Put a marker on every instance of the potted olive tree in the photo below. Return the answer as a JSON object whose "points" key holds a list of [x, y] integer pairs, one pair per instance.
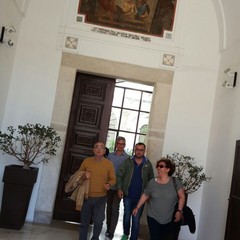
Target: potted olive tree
{"points": [[192, 177], [188, 172], [31, 144]]}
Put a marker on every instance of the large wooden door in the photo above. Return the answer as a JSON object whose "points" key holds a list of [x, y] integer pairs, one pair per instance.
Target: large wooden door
{"points": [[88, 123], [233, 218]]}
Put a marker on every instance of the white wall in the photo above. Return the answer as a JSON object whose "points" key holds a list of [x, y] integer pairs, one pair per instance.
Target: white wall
{"points": [[225, 130], [9, 16], [231, 15], [193, 92], [34, 73]]}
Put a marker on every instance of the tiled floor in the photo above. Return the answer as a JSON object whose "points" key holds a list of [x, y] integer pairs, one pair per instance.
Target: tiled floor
{"points": [[57, 230], [61, 231]]}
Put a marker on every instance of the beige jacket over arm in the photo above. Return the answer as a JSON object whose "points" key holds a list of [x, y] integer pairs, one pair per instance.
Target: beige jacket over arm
{"points": [[80, 187]]}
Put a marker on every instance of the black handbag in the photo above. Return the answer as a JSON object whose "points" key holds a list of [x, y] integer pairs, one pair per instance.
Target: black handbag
{"points": [[188, 217]]}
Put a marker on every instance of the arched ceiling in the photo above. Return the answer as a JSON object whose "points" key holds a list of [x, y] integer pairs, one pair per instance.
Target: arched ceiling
{"points": [[228, 17]]}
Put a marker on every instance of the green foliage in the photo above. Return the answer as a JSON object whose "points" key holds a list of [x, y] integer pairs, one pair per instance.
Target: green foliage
{"points": [[111, 146], [188, 172], [30, 143], [129, 151]]}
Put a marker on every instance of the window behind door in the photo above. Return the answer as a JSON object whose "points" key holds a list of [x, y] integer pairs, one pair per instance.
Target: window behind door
{"points": [[130, 114]]}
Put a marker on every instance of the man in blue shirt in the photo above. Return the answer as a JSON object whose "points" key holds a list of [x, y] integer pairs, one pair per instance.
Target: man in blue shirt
{"points": [[113, 201], [132, 177]]}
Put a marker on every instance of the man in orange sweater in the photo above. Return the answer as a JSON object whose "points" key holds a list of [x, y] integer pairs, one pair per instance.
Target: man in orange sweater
{"points": [[101, 175]]}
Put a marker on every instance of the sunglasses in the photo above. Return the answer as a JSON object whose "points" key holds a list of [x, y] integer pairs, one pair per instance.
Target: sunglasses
{"points": [[161, 166]]}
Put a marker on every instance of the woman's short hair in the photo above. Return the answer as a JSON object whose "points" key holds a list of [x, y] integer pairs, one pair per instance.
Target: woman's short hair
{"points": [[169, 164]]}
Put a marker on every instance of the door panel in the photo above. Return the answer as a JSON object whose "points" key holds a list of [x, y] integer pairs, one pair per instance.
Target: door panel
{"points": [[88, 123], [233, 218]]}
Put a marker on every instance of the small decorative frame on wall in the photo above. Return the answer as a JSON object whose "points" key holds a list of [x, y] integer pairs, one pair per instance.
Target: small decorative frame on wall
{"points": [[71, 42], [168, 60]]}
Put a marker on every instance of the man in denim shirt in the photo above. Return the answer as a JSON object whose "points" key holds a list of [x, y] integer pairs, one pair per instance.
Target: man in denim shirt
{"points": [[113, 201]]}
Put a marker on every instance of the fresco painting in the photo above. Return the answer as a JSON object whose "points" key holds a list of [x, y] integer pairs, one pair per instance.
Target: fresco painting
{"points": [[141, 16]]}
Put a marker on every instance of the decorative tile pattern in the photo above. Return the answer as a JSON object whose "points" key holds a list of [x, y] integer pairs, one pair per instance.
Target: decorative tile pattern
{"points": [[80, 19], [168, 60], [71, 42], [168, 35]]}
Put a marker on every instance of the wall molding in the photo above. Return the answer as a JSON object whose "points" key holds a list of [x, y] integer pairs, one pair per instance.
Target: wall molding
{"points": [[22, 6]]}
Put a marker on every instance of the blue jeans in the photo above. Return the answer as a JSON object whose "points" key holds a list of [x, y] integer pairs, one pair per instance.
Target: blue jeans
{"points": [[129, 204], [93, 206]]}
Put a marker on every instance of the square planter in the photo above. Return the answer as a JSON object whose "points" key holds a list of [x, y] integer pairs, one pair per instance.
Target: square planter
{"points": [[18, 185]]}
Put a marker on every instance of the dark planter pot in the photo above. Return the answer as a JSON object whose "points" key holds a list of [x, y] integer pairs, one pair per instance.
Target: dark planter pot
{"points": [[18, 185]]}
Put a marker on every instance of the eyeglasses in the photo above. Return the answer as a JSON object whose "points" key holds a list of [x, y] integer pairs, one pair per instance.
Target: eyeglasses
{"points": [[141, 150], [161, 166]]}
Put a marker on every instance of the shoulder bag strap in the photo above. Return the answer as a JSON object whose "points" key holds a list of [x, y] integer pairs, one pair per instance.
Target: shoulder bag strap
{"points": [[175, 184]]}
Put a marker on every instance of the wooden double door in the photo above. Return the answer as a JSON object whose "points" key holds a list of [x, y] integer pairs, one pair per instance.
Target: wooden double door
{"points": [[233, 218], [88, 122]]}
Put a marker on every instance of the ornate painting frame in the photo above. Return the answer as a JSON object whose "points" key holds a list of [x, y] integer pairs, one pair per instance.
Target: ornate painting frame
{"points": [[150, 17]]}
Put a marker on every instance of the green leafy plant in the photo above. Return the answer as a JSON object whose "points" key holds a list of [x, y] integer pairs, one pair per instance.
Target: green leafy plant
{"points": [[188, 172], [30, 143]]}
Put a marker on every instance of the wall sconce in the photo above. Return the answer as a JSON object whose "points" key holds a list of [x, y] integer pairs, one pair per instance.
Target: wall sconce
{"points": [[231, 78], [4, 31]]}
